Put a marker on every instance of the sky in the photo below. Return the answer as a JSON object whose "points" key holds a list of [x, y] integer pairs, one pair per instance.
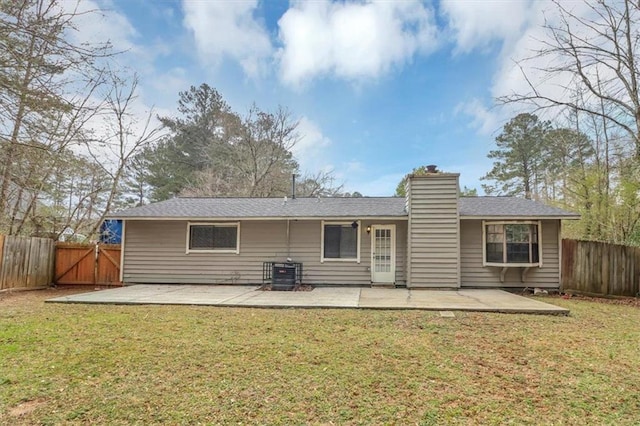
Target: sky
{"points": [[378, 87]]}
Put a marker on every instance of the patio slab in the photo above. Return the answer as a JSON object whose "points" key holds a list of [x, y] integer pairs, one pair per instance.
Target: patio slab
{"points": [[320, 297]]}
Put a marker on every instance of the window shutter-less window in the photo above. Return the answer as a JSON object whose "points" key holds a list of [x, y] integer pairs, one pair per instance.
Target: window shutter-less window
{"points": [[201, 237], [340, 242], [213, 237], [332, 234], [224, 237]]}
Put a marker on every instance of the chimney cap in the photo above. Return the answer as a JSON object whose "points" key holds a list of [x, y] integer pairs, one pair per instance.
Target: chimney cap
{"points": [[432, 168]]}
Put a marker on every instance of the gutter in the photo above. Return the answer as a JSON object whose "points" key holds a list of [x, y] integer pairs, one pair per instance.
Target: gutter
{"points": [[238, 218]]}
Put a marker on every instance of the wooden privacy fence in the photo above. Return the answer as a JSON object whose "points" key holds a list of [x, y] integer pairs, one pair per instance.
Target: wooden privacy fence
{"points": [[25, 263], [87, 264], [594, 268]]}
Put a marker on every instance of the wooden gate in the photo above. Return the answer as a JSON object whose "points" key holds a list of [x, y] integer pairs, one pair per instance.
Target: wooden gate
{"points": [[87, 264]]}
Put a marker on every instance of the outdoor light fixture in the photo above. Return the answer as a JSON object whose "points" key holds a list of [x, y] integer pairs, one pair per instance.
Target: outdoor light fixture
{"points": [[368, 229]]}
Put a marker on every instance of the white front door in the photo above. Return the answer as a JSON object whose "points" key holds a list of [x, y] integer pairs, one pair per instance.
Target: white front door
{"points": [[383, 253]]}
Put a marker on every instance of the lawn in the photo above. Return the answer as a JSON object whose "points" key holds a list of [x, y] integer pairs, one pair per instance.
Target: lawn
{"points": [[79, 364]]}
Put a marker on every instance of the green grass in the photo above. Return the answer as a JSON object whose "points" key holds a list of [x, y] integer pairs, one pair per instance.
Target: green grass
{"points": [[79, 364]]}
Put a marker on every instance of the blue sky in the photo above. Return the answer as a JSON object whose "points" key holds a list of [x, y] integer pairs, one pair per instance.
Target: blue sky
{"points": [[379, 87]]}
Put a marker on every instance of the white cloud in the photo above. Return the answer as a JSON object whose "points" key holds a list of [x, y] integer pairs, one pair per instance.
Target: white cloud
{"points": [[518, 66], [485, 120], [354, 167], [475, 24], [228, 29], [352, 40], [311, 151], [97, 22], [522, 58], [171, 82]]}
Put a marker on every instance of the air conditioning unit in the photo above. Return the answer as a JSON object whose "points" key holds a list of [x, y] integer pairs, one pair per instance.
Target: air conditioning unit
{"points": [[283, 277]]}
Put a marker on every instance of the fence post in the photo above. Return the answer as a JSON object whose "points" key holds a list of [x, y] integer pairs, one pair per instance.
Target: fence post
{"points": [[2, 284], [96, 253]]}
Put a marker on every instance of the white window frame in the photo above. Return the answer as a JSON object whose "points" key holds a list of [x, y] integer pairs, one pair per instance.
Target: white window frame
{"points": [[486, 223], [215, 224], [333, 259]]}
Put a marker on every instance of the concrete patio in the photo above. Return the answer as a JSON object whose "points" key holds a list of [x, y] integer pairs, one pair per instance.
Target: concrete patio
{"points": [[321, 297]]}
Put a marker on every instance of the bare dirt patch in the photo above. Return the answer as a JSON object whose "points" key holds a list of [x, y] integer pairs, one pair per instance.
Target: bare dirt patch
{"points": [[16, 298], [623, 301], [26, 407], [297, 287]]}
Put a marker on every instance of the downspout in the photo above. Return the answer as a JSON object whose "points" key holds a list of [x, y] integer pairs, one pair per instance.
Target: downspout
{"points": [[288, 239], [293, 197], [122, 242], [560, 283]]}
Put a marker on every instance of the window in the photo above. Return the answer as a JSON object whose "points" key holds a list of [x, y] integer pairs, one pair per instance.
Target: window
{"points": [[511, 243], [209, 237], [340, 241]]}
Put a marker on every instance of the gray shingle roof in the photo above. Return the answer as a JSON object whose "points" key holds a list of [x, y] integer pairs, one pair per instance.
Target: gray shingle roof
{"points": [[509, 207], [350, 208], [268, 207]]}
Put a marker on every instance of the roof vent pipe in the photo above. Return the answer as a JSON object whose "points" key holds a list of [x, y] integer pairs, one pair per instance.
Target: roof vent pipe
{"points": [[293, 186]]}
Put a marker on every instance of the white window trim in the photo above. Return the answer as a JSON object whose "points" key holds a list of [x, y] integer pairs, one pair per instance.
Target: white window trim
{"points": [[486, 223], [218, 224], [332, 259]]}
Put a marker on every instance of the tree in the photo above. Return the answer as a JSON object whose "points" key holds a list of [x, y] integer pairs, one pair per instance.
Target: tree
{"points": [[205, 126], [47, 97], [255, 160], [518, 157], [78, 197], [123, 137], [136, 189], [595, 56], [320, 184], [591, 73], [568, 152], [212, 151], [468, 192]]}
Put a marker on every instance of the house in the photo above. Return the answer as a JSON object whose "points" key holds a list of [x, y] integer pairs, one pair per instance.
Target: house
{"points": [[431, 239]]}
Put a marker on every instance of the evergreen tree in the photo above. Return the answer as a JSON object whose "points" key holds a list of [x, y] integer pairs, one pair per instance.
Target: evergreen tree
{"points": [[518, 158], [203, 127]]}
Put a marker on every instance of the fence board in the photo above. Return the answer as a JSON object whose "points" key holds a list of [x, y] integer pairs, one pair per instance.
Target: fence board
{"points": [[87, 264], [74, 263], [108, 264], [596, 268], [25, 263], [1, 260]]}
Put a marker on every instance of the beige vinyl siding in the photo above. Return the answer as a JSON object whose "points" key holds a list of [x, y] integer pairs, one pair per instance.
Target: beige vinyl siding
{"points": [[473, 274], [154, 252], [433, 231]]}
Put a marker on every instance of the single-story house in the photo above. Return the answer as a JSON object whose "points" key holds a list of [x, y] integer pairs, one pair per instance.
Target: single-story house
{"points": [[432, 238]]}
